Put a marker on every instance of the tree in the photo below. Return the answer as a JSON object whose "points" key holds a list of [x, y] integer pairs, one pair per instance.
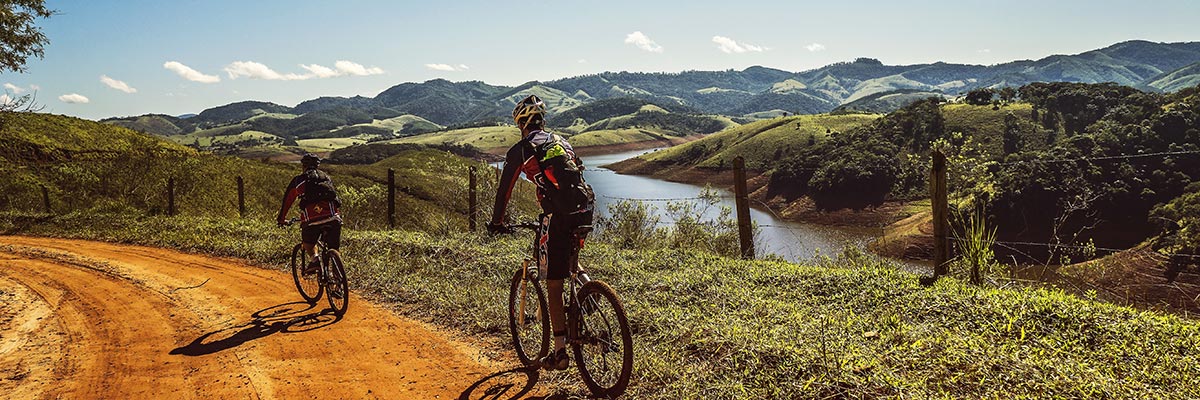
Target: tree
{"points": [[1007, 94], [980, 97], [19, 37]]}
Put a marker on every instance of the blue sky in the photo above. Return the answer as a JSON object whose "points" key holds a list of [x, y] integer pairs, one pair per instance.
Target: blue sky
{"points": [[289, 51]]}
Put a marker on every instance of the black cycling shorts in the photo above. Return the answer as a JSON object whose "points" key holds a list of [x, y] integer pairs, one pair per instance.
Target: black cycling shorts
{"points": [[560, 248], [331, 232]]}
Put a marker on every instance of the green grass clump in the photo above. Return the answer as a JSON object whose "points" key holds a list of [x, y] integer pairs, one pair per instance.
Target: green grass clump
{"points": [[706, 326]]}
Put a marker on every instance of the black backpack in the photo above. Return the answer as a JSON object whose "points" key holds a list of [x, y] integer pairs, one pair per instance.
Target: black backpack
{"points": [[318, 187], [572, 196]]}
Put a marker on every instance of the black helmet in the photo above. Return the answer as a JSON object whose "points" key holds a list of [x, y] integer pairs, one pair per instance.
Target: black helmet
{"points": [[310, 160], [530, 109]]}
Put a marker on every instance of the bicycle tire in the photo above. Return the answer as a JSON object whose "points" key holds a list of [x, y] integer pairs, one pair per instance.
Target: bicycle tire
{"points": [[597, 340], [337, 287], [534, 333], [310, 287]]}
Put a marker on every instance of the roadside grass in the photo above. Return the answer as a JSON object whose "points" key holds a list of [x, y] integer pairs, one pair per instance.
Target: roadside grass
{"points": [[706, 326]]}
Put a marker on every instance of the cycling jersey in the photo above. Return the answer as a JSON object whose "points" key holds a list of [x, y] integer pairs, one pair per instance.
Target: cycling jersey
{"points": [[318, 200]]}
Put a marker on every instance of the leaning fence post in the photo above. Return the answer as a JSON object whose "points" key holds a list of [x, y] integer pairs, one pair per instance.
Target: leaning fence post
{"points": [[743, 207], [937, 187], [471, 203], [46, 199], [241, 197], [171, 196], [391, 211]]}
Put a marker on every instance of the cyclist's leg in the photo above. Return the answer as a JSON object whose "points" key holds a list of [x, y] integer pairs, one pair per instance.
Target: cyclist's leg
{"points": [[332, 233], [558, 249], [308, 237]]}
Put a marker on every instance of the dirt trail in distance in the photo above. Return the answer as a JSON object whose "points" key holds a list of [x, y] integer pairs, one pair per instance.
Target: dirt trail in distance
{"points": [[82, 319]]}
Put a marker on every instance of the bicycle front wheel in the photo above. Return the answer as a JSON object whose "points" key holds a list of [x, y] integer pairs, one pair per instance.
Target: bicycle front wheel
{"points": [[308, 285], [337, 288], [528, 319], [604, 349]]}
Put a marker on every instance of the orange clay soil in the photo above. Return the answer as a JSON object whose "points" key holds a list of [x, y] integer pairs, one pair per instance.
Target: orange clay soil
{"points": [[81, 319]]}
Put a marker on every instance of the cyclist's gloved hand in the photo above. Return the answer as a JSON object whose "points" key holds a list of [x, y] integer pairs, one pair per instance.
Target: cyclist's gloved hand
{"points": [[498, 228], [281, 223]]}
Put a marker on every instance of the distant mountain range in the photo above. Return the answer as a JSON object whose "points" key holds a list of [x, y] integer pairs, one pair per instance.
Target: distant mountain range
{"points": [[756, 90]]}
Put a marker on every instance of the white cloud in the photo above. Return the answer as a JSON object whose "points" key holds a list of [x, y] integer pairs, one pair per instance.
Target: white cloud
{"points": [[190, 74], [116, 84], [582, 61], [985, 51], [13, 88], [732, 46], [73, 98], [447, 67], [319, 71], [351, 68], [643, 42], [815, 47], [257, 70], [35, 87]]}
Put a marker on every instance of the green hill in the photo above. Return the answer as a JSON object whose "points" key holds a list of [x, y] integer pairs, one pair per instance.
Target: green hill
{"points": [[886, 102], [156, 124], [93, 167], [762, 143], [1182, 78]]}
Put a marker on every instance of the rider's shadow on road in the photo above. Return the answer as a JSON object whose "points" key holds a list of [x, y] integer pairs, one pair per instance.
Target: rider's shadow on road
{"points": [[516, 383], [282, 318]]}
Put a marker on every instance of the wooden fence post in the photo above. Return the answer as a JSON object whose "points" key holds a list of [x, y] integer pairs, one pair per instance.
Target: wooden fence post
{"points": [[941, 222], [743, 208], [391, 211], [46, 199], [471, 203], [241, 197], [171, 196]]}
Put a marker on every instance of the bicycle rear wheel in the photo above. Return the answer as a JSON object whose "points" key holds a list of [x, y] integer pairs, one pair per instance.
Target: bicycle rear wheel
{"points": [[604, 351], [337, 288], [309, 285], [528, 319]]}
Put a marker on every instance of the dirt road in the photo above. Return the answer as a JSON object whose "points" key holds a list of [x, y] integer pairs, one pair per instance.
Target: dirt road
{"points": [[82, 319]]}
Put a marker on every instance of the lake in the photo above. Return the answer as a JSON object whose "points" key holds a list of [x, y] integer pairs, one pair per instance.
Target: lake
{"points": [[793, 241]]}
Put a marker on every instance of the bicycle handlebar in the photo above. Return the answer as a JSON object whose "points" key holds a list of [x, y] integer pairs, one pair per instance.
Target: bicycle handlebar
{"points": [[292, 221]]}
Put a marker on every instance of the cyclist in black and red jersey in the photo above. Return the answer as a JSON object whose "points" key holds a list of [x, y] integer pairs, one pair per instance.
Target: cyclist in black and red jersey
{"points": [[550, 162], [319, 215]]}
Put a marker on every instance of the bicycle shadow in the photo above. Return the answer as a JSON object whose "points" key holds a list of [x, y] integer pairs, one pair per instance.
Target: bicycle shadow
{"points": [[290, 317], [515, 383]]}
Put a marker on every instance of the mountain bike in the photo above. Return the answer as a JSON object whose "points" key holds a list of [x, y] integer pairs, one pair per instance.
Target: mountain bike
{"points": [[597, 328], [329, 280]]}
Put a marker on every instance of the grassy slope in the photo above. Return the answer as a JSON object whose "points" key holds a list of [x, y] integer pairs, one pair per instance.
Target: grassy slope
{"points": [[397, 124], [710, 327], [87, 166], [758, 141], [484, 138], [986, 125]]}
